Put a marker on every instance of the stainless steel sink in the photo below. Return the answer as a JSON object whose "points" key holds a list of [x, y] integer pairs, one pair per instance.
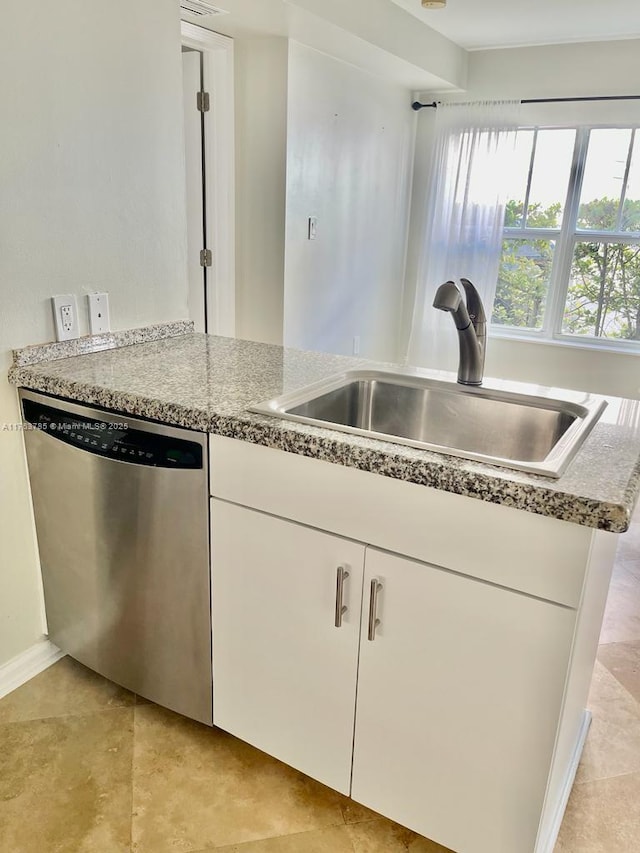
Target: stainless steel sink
{"points": [[527, 432]]}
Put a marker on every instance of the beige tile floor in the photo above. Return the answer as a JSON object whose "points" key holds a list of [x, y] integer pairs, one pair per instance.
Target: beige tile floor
{"points": [[86, 767]]}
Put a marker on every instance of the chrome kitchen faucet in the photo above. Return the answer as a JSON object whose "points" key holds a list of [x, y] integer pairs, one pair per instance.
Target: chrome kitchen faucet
{"points": [[470, 320]]}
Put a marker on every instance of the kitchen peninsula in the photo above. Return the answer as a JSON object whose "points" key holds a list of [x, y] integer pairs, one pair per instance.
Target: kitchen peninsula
{"points": [[463, 600]]}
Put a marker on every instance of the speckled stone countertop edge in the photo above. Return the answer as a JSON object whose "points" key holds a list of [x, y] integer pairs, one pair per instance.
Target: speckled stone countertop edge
{"points": [[436, 471], [38, 353]]}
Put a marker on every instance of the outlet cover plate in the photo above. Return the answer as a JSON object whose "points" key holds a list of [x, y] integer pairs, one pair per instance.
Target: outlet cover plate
{"points": [[98, 313], [65, 317]]}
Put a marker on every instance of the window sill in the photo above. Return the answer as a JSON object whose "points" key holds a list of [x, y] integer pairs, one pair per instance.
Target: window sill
{"points": [[568, 343]]}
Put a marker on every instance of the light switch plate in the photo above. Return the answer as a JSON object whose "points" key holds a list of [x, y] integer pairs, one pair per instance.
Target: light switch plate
{"points": [[98, 313], [65, 317], [312, 228]]}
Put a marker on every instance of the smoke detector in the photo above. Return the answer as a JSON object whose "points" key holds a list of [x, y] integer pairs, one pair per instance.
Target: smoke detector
{"points": [[201, 9]]}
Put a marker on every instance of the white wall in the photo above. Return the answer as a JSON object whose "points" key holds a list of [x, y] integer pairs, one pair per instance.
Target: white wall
{"points": [[580, 70], [92, 198], [349, 161], [261, 146], [559, 70], [565, 366]]}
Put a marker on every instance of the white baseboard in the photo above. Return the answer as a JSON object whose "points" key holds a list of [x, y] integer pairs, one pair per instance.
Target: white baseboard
{"points": [[20, 669], [547, 845]]}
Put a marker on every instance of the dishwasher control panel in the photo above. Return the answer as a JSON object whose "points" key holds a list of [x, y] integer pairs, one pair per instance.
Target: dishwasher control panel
{"points": [[113, 439]]}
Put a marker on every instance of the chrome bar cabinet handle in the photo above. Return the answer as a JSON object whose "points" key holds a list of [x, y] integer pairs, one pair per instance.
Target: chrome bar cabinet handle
{"points": [[341, 608], [376, 587]]}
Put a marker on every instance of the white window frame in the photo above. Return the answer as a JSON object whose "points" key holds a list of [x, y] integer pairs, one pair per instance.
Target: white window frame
{"points": [[566, 237]]}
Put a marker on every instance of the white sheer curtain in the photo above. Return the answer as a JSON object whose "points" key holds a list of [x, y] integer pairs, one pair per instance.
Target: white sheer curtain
{"points": [[471, 168]]}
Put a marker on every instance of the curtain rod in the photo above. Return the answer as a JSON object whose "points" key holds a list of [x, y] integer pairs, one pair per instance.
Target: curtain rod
{"points": [[416, 105]]}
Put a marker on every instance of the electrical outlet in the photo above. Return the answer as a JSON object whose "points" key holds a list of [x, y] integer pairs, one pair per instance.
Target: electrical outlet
{"points": [[65, 317], [98, 313]]}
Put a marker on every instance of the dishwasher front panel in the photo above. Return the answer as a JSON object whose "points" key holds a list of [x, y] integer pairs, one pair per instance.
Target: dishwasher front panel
{"points": [[121, 512]]}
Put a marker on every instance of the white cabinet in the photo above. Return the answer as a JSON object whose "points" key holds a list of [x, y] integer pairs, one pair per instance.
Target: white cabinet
{"points": [[458, 701], [284, 674], [470, 719], [443, 724]]}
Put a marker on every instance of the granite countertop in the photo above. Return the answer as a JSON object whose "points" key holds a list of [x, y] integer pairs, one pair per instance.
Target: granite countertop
{"points": [[206, 383]]}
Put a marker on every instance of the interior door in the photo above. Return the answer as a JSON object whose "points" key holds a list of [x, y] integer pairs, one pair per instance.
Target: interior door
{"points": [[193, 130], [284, 673]]}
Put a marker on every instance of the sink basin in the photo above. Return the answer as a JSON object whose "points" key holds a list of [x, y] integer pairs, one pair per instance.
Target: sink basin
{"points": [[527, 432]]}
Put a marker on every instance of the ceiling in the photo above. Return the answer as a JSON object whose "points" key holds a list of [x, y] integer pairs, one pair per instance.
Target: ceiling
{"points": [[428, 50], [374, 35], [480, 24]]}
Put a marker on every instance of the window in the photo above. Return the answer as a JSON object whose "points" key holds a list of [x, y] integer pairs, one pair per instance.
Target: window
{"points": [[570, 266]]}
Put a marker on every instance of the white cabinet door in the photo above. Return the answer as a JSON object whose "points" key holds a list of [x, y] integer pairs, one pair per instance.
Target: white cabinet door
{"points": [[458, 701], [284, 676]]}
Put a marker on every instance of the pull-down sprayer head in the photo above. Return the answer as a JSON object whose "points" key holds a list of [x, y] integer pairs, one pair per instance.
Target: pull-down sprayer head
{"points": [[448, 298]]}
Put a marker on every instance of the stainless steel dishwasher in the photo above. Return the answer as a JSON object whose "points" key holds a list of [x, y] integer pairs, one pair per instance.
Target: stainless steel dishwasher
{"points": [[121, 512]]}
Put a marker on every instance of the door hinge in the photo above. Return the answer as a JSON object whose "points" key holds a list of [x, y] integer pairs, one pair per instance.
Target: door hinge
{"points": [[206, 258], [203, 102]]}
